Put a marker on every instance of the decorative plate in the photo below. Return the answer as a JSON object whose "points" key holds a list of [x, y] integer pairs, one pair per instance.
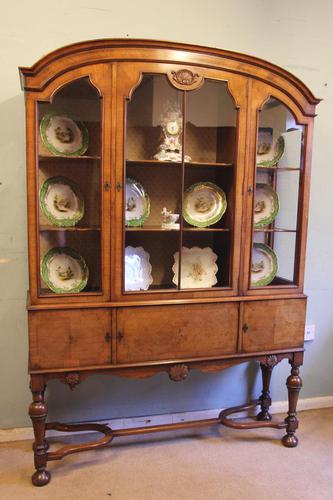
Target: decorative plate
{"points": [[64, 136], [137, 203], [61, 201], [198, 268], [264, 265], [269, 151], [204, 204], [137, 269], [64, 270], [266, 205]]}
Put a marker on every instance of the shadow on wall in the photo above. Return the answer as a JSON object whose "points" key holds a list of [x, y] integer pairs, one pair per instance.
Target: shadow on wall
{"points": [[103, 397]]}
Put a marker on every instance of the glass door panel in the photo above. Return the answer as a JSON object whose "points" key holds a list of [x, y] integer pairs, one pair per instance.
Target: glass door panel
{"points": [[208, 197], [153, 173], [69, 177], [278, 179]]}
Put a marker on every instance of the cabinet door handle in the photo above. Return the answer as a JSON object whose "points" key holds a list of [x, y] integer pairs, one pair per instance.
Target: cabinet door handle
{"points": [[250, 189], [119, 186], [120, 336], [107, 185], [245, 327], [108, 337]]}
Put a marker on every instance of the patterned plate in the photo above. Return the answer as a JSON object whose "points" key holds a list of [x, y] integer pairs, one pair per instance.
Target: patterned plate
{"points": [[266, 205], [204, 204], [64, 136], [64, 270], [137, 203], [264, 265], [61, 201], [269, 151], [198, 268]]}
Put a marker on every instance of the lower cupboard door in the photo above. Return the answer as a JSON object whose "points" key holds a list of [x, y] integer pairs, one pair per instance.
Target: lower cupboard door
{"points": [[172, 332], [273, 324], [69, 338]]}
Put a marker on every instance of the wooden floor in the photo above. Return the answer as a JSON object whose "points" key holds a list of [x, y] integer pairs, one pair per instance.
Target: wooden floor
{"points": [[203, 464]]}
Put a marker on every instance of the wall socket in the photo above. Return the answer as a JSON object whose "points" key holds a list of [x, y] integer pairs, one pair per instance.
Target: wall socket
{"points": [[309, 332]]}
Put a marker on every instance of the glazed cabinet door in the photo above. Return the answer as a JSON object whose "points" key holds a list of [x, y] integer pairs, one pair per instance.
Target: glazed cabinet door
{"points": [[180, 164], [68, 137], [176, 332], [273, 324], [277, 192], [69, 338]]}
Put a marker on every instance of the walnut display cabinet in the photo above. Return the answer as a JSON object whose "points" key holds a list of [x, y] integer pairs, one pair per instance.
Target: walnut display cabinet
{"points": [[168, 189]]}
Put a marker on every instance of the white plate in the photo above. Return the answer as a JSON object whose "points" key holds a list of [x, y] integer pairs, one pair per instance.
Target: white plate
{"points": [[266, 206], [137, 269], [198, 268]]}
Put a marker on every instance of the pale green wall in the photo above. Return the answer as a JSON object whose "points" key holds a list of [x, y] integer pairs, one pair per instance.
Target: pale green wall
{"points": [[295, 35]]}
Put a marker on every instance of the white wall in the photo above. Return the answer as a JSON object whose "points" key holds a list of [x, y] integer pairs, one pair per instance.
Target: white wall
{"points": [[296, 35]]}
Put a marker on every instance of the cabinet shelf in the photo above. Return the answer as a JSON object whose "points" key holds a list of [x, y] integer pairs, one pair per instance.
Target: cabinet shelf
{"points": [[157, 163], [44, 158], [279, 169], [78, 229], [275, 230], [186, 229]]}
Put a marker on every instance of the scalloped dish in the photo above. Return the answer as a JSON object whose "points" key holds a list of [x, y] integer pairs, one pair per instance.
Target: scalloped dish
{"points": [[198, 268]]}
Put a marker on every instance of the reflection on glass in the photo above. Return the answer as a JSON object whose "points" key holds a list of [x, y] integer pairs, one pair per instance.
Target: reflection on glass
{"points": [[278, 174], [69, 190], [179, 204]]}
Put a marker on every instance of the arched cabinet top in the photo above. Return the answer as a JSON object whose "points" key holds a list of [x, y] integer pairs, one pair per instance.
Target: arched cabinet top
{"points": [[48, 68]]}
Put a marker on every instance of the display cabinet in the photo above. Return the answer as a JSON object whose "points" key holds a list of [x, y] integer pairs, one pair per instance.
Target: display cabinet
{"points": [[168, 189]]}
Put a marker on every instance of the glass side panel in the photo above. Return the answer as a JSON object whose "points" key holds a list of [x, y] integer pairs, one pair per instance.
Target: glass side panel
{"points": [[278, 177], [209, 175], [153, 173], [69, 176]]}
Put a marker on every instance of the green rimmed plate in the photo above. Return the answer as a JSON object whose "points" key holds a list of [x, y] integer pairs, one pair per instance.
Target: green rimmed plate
{"points": [[269, 151], [61, 201], [64, 136], [137, 208], [204, 204], [264, 265], [266, 205], [64, 270]]}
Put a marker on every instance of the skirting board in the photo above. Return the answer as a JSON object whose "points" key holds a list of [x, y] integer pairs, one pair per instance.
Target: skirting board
{"points": [[21, 433]]}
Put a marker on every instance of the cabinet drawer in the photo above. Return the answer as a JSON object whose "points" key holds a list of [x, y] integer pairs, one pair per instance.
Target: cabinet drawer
{"points": [[71, 338], [273, 324], [171, 332]]}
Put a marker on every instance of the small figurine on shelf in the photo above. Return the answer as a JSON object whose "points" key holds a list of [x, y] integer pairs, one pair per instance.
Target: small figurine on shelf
{"points": [[169, 220], [172, 126]]}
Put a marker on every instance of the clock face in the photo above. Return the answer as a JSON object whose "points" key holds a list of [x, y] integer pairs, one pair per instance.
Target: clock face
{"points": [[172, 128]]}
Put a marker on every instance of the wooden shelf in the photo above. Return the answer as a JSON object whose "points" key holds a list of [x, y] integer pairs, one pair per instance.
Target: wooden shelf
{"points": [[68, 157], [186, 229], [43, 228], [157, 163], [274, 230], [279, 169]]}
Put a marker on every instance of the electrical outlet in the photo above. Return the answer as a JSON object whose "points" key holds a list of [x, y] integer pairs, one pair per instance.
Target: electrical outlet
{"points": [[309, 333]]}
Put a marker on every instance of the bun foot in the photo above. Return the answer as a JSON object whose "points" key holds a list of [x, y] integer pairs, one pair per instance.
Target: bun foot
{"points": [[290, 441], [41, 477], [264, 416]]}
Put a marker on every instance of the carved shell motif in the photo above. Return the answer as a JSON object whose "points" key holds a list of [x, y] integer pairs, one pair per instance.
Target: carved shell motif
{"points": [[177, 373], [72, 380], [271, 361], [185, 78]]}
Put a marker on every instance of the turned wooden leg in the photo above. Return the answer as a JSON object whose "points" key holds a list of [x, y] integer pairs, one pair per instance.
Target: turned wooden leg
{"points": [[265, 398], [294, 384], [38, 414]]}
